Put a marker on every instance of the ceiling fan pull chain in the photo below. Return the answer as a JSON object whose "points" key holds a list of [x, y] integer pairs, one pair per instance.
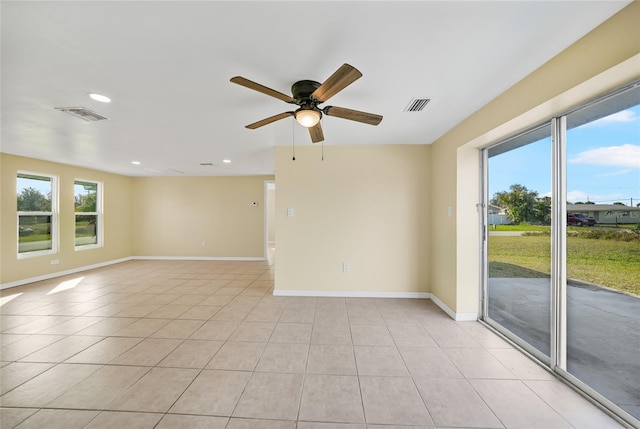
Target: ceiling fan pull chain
{"points": [[293, 139], [322, 143], [321, 146]]}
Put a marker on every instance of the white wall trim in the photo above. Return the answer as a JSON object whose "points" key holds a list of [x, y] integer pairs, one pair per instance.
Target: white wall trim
{"points": [[62, 273], [458, 317], [351, 294], [200, 258]]}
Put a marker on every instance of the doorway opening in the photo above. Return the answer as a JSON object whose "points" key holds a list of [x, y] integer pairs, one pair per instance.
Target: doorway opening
{"points": [[270, 220]]}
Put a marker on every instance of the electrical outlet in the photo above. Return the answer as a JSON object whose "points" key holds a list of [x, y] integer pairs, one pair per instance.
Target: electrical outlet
{"points": [[345, 267], [204, 243], [55, 262]]}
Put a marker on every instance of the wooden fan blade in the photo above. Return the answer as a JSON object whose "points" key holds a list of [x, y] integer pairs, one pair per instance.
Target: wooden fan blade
{"points": [[261, 88], [269, 120], [316, 133], [338, 81], [353, 115]]}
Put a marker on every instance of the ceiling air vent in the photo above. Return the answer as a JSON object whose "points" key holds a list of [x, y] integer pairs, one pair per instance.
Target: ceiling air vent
{"points": [[82, 113], [417, 104]]}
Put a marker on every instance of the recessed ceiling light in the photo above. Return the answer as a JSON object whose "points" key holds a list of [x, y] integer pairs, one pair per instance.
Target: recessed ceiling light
{"points": [[99, 97], [136, 162], [226, 161]]}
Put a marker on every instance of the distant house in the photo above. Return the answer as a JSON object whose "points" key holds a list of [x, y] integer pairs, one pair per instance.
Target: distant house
{"points": [[497, 215], [607, 213]]}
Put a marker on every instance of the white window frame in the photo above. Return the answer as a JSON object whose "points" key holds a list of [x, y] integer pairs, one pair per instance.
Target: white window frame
{"points": [[97, 214], [53, 213]]}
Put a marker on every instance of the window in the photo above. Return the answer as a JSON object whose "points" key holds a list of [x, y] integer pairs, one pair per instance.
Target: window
{"points": [[88, 214], [37, 217]]}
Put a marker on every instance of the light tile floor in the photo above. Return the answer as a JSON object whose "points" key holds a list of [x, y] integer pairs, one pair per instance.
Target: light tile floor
{"points": [[184, 344]]}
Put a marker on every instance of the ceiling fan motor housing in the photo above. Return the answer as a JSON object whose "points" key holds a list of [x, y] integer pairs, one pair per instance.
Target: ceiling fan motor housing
{"points": [[302, 91]]}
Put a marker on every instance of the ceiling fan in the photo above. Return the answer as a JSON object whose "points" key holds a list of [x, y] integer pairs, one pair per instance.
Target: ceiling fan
{"points": [[309, 94]]}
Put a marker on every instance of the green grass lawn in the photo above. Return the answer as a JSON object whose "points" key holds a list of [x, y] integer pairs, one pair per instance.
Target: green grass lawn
{"points": [[34, 237], [520, 227], [528, 227], [614, 264]]}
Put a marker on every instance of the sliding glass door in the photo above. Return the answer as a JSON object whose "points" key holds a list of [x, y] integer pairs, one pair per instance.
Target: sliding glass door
{"points": [[519, 242], [603, 251], [562, 249]]}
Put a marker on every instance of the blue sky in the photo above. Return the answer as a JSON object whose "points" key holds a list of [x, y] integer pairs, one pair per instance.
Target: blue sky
{"points": [[603, 162], [44, 187]]}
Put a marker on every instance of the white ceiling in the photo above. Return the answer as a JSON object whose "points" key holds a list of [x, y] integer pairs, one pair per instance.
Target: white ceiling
{"points": [[166, 66]]}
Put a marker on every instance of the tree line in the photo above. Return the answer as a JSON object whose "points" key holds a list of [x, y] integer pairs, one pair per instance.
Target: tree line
{"points": [[524, 205], [32, 200]]}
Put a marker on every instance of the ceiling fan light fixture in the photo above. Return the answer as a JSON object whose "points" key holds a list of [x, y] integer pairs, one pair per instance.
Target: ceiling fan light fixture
{"points": [[307, 117]]}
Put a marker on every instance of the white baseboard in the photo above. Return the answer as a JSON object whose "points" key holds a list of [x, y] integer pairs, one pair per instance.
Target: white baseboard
{"points": [[458, 317], [62, 273], [201, 258], [350, 294]]}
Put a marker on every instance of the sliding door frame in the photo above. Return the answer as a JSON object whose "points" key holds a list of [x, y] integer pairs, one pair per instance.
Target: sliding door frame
{"points": [[558, 341], [544, 360], [557, 360]]}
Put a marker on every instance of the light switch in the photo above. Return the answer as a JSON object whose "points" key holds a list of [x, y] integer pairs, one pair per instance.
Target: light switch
{"points": [[289, 212]]}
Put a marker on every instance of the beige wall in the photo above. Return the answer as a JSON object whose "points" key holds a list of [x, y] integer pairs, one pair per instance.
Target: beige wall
{"points": [[442, 195], [117, 220], [364, 205], [601, 61], [174, 215], [157, 217]]}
